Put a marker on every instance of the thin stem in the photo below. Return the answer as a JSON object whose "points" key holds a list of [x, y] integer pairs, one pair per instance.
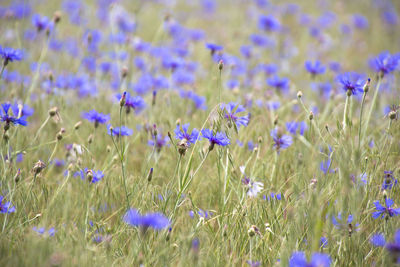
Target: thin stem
{"points": [[344, 123], [378, 85], [361, 113], [2, 70]]}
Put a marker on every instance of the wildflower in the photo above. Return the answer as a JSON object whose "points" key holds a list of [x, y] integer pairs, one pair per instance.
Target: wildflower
{"points": [[388, 181], [230, 113], [323, 242], [9, 55], [281, 84], [218, 138], [21, 110], [381, 211], [158, 142], [298, 259], [351, 82], [360, 21], [314, 69], [96, 117], [394, 247], [181, 133], [214, 47], [293, 126], [281, 141], [42, 231], [90, 175], [119, 131], [378, 240], [154, 220], [384, 63], [253, 263], [272, 196], [10, 119], [6, 207], [132, 102], [339, 223], [253, 187], [268, 23], [41, 22]]}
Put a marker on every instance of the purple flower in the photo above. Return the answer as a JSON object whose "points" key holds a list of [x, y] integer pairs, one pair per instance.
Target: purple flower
{"points": [[394, 247], [214, 47], [384, 63], [352, 82], [41, 22], [159, 142], [90, 175], [6, 207], [9, 119], [96, 117], [293, 126], [381, 211], [298, 259], [218, 138], [230, 113], [360, 21], [268, 23], [281, 84], [154, 220], [133, 102], [181, 133], [9, 54], [316, 68], [378, 240], [281, 141], [119, 131], [388, 180], [42, 231]]}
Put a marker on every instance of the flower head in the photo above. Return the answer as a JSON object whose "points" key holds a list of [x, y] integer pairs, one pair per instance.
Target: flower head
{"points": [[298, 259], [90, 175], [268, 23], [159, 142], [96, 117], [6, 207], [10, 54], [316, 68], [214, 47], [119, 131], [218, 138], [281, 84], [384, 63], [11, 119], [388, 180], [281, 141], [231, 111], [133, 102], [352, 82], [155, 220], [253, 187], [381, 211], [181, 133], [378, 240]]}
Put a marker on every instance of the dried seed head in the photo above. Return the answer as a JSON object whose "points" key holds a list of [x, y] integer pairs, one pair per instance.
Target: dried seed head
{"points": [[311, 116], [77, 125], [57, 17], [38, 167], [299, 94]]}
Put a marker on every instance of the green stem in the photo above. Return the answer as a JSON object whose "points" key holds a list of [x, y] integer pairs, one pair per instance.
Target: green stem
{"points": [[378, 85], [344, 123], [361, 113]]}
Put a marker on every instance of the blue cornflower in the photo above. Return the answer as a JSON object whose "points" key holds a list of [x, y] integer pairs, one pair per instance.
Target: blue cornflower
{"points": [[316, 68], [218, 138], [230, 113], [155, 220], [378, 240], [298, 259], [381, 211], [214, 47], [181, 133], [323, 242], [8, 119], [9, 54], [340, 223], [394, 247], [253, 263], [360, 21], [293, 126], [133, 102], [42, 231], [351, 82], [384, 63], [281, 84], [388, 181], [6, 207], [119, 131], [41, 22], [96, 117], [268, 23], [281, 141], [91, 175], [22, 110], [159, 142]]}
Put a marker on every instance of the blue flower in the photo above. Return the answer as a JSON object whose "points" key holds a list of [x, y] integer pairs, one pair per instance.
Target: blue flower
{"points": [[90, 175], [388, 181], [381, 211], [214, 47], [96, 117], [42, 231], [159, 142], [9, 119], [154, 220], [41, 22], [268, 23], [281, 141], [384, 63], [323, 242], [352, 82], [281, 84], [293, 126], [6, 207], [181, 133], [133, 102], [218, 138], [9, 55], [298, 259], [119, 131], [378, 240], [230, 113], [394, 247], [316, 68], [360, 21]]}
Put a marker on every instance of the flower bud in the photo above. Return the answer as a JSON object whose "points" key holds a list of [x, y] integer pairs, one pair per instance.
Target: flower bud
{"points": [[53, 111], [392, 115], [122, 101], [299, 94], [366, 85], [150, 175], [38, 167], [57, 17], [311, 116], [17, 176], [220, 65], [77, 125]]}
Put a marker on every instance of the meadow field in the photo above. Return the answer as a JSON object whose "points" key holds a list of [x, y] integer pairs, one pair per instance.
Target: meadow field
{"points": [[199, 133]]}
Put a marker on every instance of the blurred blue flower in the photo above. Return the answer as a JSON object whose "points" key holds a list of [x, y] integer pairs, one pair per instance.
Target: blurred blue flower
{"points": [[156, 220], [281, 84], [231, 111], [384, 63], [9, 54], [41, 22], [252, 263], [394, 247], [268, 23], [119, 131], [42, 231], [378, 240], [133, 102], [281, 141], [316, 68], [90, 175], [159, 142], [381, 211], [6, 206], [360, 21], [388, 180], [298, 259], [214, 47], [292, 127], [96, 117]]}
